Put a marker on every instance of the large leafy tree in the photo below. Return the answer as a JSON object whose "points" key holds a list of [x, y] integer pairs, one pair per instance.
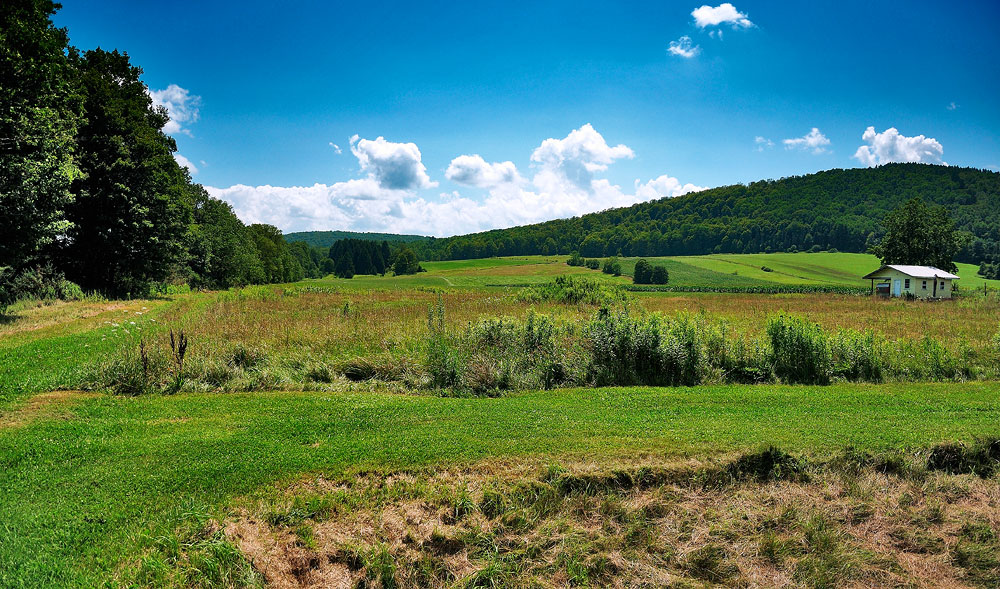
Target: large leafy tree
{"points": [[921, 235], [133, 203], [221, 251], [38, 116], [275, 257]]}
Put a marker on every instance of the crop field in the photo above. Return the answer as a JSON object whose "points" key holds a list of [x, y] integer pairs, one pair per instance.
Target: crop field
{"points": [[306, 439]]}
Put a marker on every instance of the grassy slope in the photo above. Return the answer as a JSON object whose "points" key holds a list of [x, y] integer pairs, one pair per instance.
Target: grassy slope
{"points": [[721, 270], [79, 490]]}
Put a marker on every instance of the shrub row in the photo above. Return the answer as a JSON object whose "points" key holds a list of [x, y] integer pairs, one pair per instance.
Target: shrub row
{"points": [[612, 348]]}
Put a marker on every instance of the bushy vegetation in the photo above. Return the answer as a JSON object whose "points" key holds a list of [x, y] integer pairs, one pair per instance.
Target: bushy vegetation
{"points": [[574, 290], [646, 273], [618, 345], [39, 283]]}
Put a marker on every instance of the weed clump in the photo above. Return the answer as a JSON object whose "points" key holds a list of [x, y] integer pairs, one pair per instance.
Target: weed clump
{"points": [[574, 290], [770, 464], [800, 350], [981, 458]]}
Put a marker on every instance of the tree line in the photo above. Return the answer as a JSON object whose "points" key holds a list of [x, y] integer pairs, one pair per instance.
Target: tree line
{"points": [[90, 191], [365, 256], [830, 210]]}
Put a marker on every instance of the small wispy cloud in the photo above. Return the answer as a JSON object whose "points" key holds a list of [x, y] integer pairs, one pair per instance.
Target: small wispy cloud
{"points": [[951, 106], [813, 140], [336, 148], [762, 143], [683, 47]]}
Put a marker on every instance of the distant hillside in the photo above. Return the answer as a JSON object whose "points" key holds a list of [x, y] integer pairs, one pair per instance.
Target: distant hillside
{"points": [[840, 209], [328, 238]]}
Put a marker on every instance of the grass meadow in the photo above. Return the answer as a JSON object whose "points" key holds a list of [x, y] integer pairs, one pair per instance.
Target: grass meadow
{"points": [[271, 450]]}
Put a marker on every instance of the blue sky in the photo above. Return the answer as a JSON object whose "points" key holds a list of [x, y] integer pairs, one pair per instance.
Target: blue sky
{"points": [[570, 106]]}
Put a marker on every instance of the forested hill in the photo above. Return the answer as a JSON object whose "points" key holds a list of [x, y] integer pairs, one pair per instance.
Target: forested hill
{"points": [[328, 238], [840, 209]]}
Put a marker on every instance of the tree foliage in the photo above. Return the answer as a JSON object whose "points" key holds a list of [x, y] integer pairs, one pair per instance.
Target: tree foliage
{"points": [[39, 109], [133, 202], [360, 256], [920, 235], [834, 209], [90, 189]]}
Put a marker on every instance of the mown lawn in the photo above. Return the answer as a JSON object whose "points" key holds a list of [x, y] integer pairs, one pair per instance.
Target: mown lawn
{"points": [[77, 491]]}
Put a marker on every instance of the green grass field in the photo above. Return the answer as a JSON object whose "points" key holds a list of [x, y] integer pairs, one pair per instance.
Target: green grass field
{"points": [[720, 270], [91, 482], [81, 487]]}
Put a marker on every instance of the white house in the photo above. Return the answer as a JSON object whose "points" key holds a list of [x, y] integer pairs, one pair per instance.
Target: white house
{"points": [[922, 282]]}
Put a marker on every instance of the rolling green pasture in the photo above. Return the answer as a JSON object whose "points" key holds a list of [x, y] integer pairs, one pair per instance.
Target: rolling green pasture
{"points": [[80, 490], [719, 270], [88, 480]]}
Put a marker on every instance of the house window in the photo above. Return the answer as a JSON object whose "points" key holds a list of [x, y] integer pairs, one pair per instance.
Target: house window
{"points": [[924, 285], [906, 283], [942, 284]]}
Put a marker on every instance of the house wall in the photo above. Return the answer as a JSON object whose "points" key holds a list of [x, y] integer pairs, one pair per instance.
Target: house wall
{"points": [[916, 287]]}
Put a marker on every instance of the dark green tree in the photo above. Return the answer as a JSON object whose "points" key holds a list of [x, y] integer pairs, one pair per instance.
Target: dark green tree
{"points": [[659, 275], [643, 273], [344, 267], [220, 251], [133, 206], [920, 235], [277, 261], [39, 111], [406, 262]]}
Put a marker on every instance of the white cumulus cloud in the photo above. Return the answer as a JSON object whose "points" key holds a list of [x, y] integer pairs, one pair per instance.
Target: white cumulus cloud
{"points": [[663, 186], [889, 146], [576, 157], [186, 163], [683, 47], [181, 105], [473, 170], [813, 140], [725, 13], [563, 185], [394, 166]]}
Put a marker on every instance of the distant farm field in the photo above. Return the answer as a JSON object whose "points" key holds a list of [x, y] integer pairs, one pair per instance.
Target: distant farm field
{"points": [[719, 270], [332, 380]]}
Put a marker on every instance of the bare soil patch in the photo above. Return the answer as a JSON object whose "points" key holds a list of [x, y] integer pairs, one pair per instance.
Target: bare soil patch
{"points": [[637, 524]]}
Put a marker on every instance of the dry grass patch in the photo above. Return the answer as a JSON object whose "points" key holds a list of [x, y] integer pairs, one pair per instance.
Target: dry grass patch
{"points": [[738, 521], [49, 405]]}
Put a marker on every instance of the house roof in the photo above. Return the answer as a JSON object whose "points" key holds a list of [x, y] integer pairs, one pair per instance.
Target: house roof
{"points": [[915, 271]]}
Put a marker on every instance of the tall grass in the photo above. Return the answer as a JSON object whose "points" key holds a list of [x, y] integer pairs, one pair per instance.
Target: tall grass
{"points": [[482, 346], [800, 350]]}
